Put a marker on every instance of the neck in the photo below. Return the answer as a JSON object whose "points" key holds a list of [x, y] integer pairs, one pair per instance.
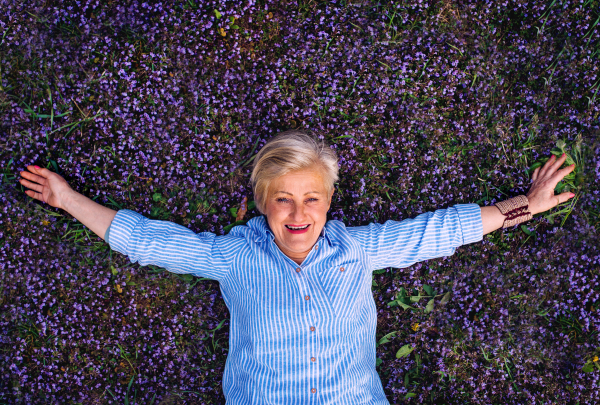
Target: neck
{"points": [[298, 258]]}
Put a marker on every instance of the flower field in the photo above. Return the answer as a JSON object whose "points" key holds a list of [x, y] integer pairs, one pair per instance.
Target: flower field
{"points": [[159, 107]]}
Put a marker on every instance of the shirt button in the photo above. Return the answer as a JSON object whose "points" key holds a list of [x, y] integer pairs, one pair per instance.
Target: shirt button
{"points": [[342, 269], [316, 247], [314, 390], [298, 269], [313, 359], [312, 328], [307, 298]]}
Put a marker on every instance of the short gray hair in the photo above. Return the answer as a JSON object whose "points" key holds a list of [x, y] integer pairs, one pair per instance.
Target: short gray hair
{"points": [[290, 151]]}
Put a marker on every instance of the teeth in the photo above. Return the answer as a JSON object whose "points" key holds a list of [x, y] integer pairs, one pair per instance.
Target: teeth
{"points": [[296, 228]]}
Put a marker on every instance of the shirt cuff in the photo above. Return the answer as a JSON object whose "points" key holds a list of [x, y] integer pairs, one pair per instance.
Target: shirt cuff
{"points": [[121, 228], [471, 223]]}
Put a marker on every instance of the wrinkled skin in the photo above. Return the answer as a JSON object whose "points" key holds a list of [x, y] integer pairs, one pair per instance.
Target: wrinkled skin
{"points": [[295, 207], [544, 180]]}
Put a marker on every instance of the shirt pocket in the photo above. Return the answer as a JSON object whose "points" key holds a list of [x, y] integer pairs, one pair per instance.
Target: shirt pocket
{"points": [[344, 285]]}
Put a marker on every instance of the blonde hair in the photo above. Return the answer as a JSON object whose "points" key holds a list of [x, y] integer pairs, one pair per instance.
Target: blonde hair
{"points": [[291, 151]]}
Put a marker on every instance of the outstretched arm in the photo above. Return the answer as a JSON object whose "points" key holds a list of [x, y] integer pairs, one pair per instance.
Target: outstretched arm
{"points": [[161, 243], [438, 233], [54, 190], [427, 236], [541, 194]]}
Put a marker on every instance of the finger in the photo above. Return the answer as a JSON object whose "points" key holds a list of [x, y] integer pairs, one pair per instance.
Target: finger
{"points": [[563, 172], [534, 176], [34, 177], [31, 185], [559, 175], [33, 194], [558, 163], [546, 166]]}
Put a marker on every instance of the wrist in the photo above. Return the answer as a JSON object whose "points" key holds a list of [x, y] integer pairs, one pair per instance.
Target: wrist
{"points": [[532, 205], [516, 210], [68, 200]]}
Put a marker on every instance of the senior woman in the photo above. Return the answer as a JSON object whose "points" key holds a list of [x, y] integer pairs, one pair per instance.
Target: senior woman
{"points": [[298, 287]]}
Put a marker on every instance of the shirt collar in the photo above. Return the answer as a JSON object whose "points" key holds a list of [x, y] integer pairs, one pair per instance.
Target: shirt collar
{"points": [[260, 227]]}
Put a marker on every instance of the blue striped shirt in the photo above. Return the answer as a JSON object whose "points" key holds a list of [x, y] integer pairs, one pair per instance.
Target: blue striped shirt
{"points": [[299, 334]]}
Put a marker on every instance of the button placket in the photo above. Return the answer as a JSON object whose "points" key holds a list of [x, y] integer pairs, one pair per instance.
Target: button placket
{"points": [[304, 285], [305, 281]]}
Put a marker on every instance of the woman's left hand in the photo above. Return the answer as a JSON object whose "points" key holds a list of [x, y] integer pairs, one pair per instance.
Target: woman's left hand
{"points": [[544, 180]]}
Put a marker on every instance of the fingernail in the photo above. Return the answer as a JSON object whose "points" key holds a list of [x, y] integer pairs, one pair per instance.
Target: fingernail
{"points": [[571, 195], [37, 167], [563, 155]]}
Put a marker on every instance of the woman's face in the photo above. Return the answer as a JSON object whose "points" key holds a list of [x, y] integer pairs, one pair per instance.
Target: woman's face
{"points": [[297, 199]]}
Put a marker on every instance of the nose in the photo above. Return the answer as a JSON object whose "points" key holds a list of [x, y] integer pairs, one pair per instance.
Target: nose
{"points": [[298, 214]]}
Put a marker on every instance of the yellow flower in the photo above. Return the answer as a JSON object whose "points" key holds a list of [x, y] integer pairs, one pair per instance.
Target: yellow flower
{"points": [[415, 326], [45, 223], [595, 359]]}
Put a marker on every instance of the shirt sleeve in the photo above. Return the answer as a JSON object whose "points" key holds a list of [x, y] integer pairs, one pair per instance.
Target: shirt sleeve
{"points": [[429, 235], [107, 233], [169, 245]]}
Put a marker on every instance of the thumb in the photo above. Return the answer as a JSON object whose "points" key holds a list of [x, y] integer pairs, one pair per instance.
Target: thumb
{"points": [[564, 197]]}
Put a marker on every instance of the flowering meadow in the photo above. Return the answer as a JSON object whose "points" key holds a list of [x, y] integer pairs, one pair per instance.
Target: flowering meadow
{"points": [[159, 107]]}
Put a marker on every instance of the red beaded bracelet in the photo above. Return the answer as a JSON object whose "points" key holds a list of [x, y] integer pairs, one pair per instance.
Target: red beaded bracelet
{"points": [[515, 209]]}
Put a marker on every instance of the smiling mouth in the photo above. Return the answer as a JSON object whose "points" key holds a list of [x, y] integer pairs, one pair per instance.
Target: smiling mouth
{"points": [[297, 228]]}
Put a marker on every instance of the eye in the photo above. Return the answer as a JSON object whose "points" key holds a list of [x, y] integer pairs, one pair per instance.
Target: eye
{"points": [[285, 200]]}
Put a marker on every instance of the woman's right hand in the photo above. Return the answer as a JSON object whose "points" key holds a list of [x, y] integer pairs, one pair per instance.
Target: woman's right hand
{"points": [[45, 186]]}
